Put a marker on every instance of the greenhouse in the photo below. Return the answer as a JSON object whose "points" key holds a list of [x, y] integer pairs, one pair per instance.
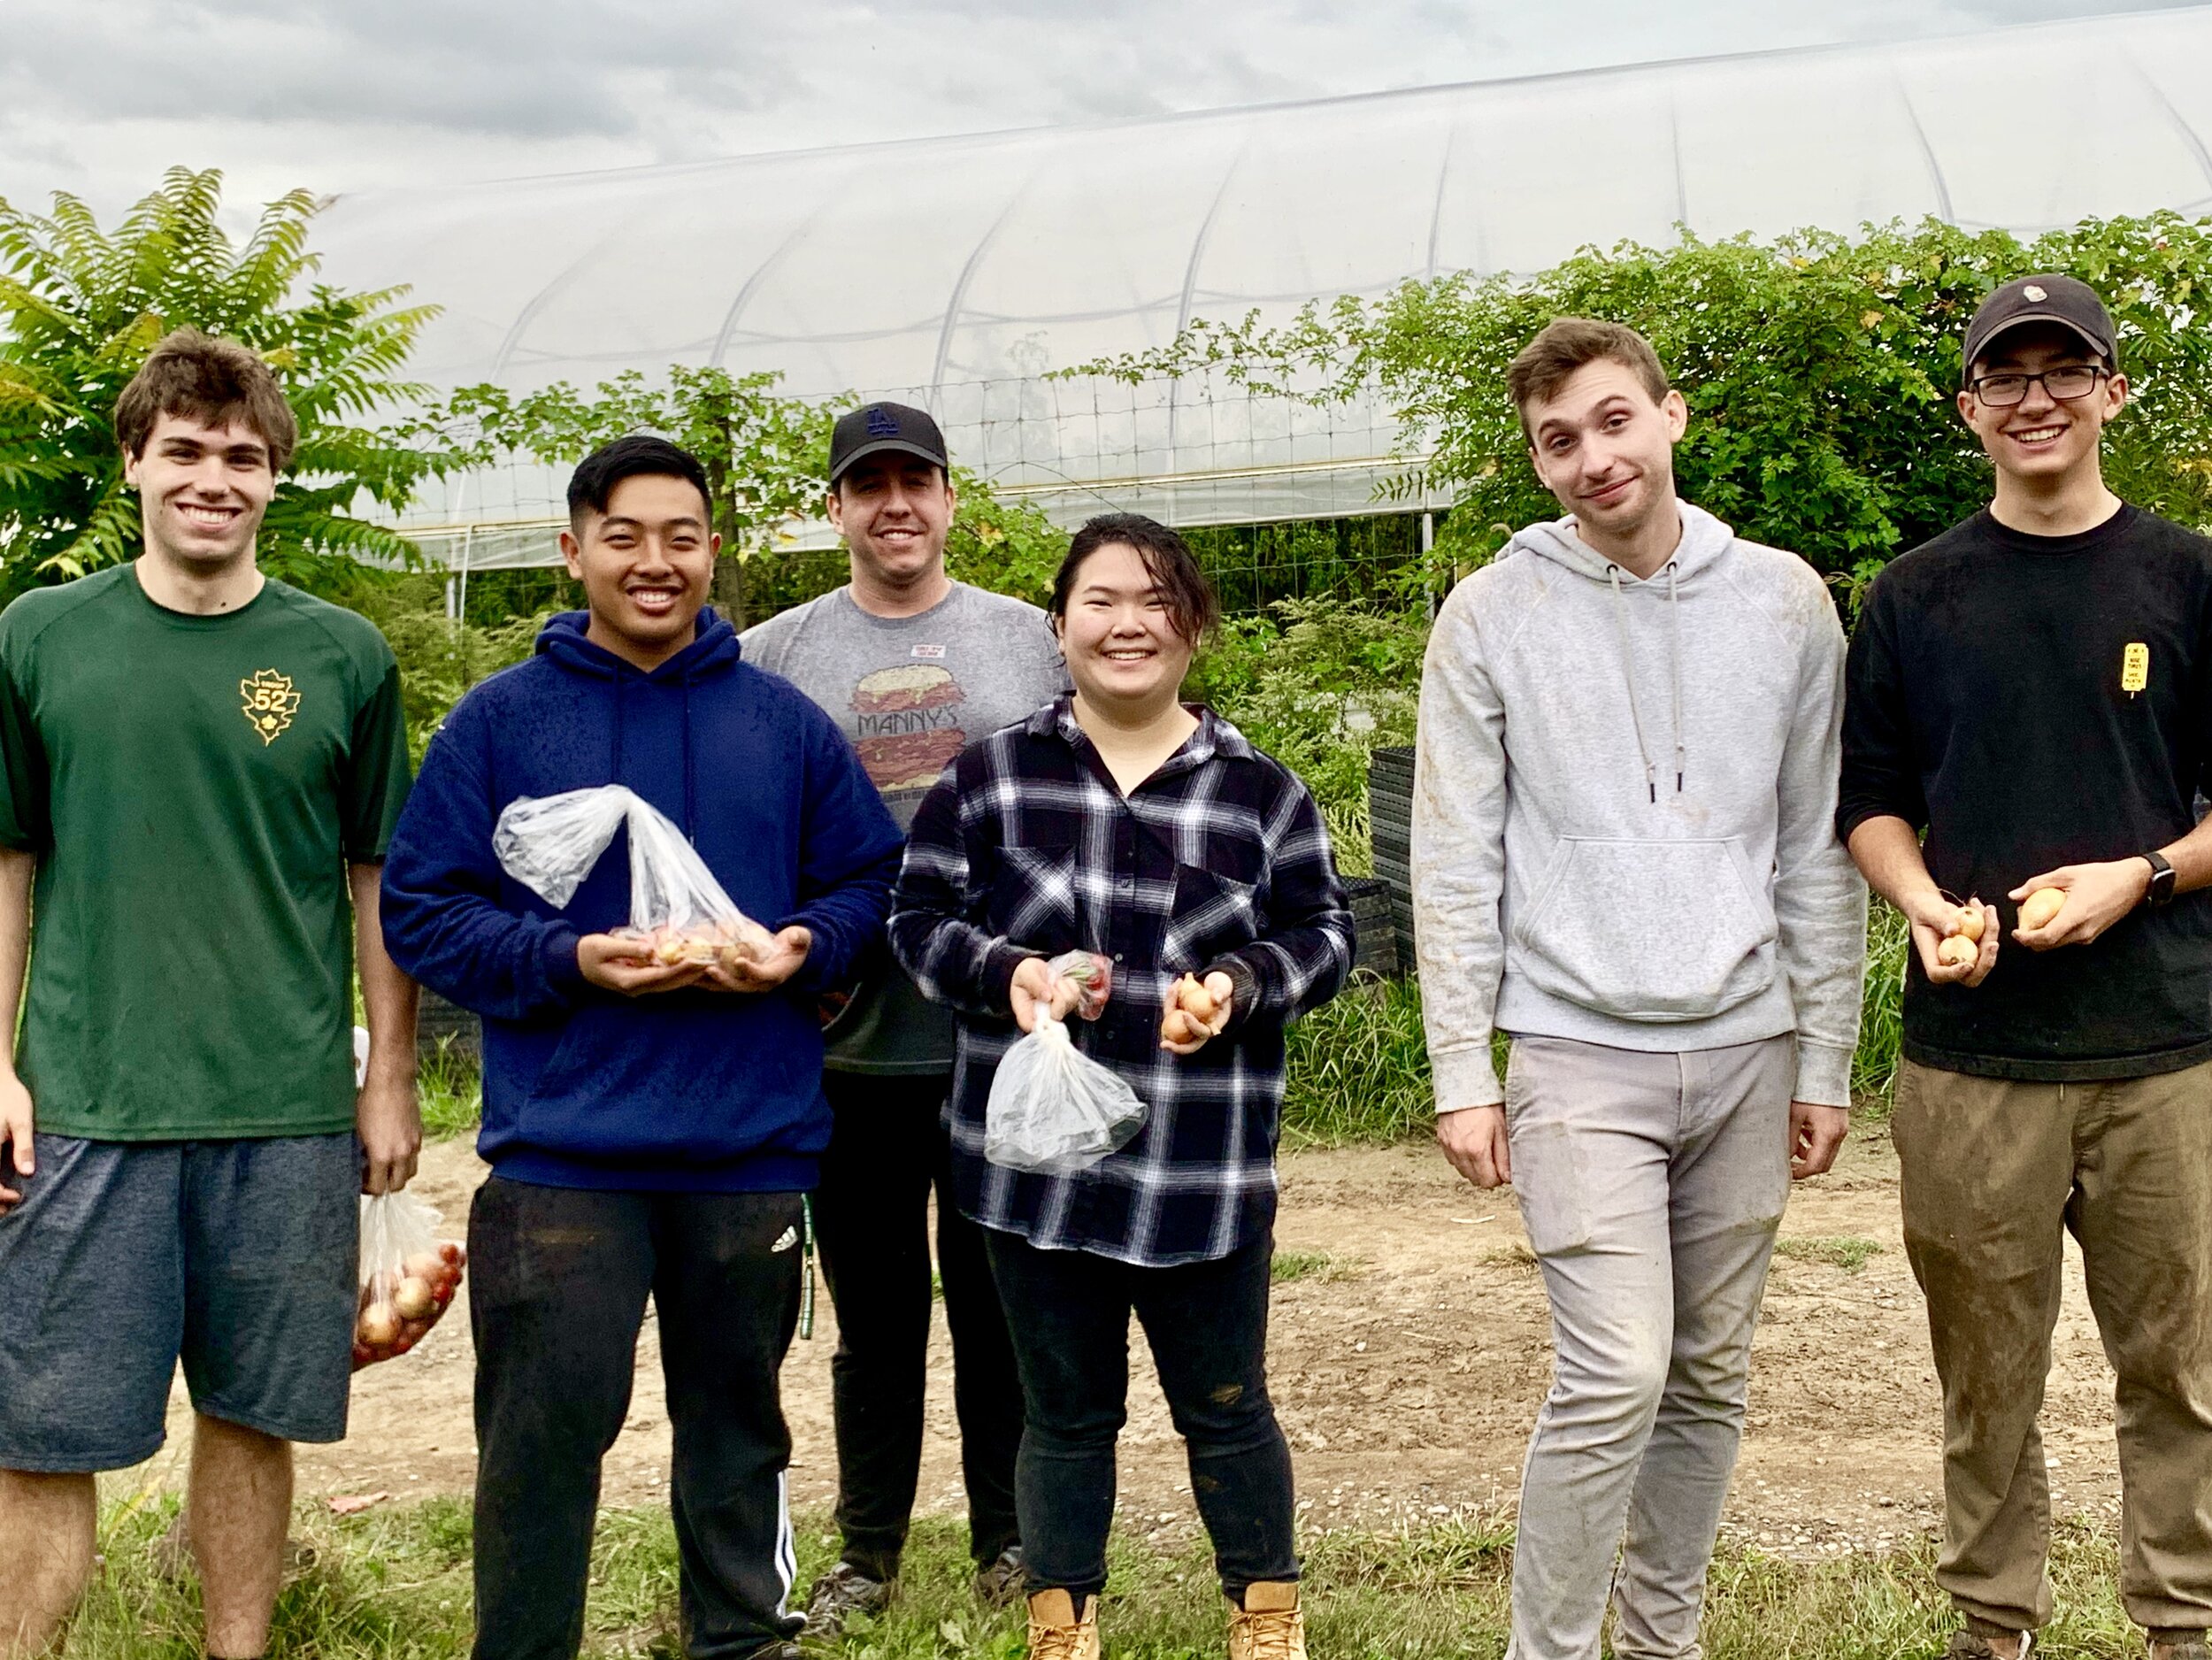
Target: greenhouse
{"points": [[957, 272]]}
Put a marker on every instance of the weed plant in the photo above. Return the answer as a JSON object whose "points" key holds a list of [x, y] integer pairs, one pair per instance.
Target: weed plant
{"points": [[1847, 1252], [1359, 1069], [449, 1086], [1881, 1018], [1289, 1265]]}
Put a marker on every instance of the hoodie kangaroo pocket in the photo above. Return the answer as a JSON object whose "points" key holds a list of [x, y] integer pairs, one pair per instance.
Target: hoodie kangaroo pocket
{"points": [[1658, 930]]}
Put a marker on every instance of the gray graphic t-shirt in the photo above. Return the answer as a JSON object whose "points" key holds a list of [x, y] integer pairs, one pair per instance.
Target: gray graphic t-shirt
{"points": [[911, 693]]}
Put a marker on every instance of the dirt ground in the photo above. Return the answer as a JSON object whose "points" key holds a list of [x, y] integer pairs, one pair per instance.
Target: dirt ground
{"points": [[1407, 1372]]}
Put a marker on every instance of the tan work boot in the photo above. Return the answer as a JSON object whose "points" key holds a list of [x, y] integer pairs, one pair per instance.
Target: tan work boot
{"points": [[1055, 1634], [1269, 1625]]}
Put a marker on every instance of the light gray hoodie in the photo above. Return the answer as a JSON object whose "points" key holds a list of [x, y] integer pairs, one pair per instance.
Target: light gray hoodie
{"points": [[1624, 809]]}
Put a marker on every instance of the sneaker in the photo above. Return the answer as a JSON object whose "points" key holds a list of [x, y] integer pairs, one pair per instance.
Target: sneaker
{"points": [[1271, 1625], [1057, 1634], [839, 1595], [1001, 1580], [1967, 1645]]}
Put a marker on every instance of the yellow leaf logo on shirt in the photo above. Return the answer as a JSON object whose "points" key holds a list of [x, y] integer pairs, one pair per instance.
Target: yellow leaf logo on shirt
{"points": [[271, 703]]}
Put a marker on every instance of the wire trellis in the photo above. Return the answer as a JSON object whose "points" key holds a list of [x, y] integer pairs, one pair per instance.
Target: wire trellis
{"points": [[1194, 450]]}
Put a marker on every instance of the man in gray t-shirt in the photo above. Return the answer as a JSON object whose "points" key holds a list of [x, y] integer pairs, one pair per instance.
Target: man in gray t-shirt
{"points": [[916, 667]]}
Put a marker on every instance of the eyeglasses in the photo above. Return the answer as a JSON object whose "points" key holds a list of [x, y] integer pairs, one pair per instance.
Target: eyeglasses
{"points": [[2002, 391]]}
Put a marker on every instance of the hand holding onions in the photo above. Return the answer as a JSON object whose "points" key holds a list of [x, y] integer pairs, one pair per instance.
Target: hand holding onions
{"points": [[1196, 1011]]}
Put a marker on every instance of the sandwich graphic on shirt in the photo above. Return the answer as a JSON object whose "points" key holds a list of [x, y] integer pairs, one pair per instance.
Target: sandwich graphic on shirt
{"points": [[909, 728]]}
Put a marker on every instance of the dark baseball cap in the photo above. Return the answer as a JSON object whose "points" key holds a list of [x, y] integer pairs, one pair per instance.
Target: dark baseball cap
{"points": [[2066, 301], [874, 428]]}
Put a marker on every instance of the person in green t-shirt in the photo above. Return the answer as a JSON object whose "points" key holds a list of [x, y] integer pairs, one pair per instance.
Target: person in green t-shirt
{"points": [[199, 769]]}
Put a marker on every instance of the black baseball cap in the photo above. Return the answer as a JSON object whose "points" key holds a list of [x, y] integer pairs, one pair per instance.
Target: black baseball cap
{"points": [[2066, 301], [874, 428]]}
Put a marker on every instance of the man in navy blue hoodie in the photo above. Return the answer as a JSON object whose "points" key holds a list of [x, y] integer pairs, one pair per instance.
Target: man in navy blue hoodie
{"points": [[650, 1127]]}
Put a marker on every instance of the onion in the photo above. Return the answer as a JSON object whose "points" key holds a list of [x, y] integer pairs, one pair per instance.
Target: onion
{"points": [[2038, 909]]}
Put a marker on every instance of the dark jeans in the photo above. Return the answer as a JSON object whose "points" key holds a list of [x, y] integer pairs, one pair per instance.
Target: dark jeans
{"points": [[559, 1279], [1206, 1322], [871, 1220]]}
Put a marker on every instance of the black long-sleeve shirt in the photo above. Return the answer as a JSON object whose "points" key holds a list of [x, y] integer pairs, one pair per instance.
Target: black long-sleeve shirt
{"points": [[1991, 704]]}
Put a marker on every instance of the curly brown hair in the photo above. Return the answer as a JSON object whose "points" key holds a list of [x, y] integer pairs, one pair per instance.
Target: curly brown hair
{"points": [[195, 377]]}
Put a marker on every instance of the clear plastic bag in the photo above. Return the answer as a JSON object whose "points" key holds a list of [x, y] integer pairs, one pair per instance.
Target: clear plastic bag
{"points": [[1053, 1110], [677, 911], [407, 1276]]}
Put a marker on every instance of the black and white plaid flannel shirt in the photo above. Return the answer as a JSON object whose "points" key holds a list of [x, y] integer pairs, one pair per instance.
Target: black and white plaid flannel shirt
{"points": [[1218, 861]]}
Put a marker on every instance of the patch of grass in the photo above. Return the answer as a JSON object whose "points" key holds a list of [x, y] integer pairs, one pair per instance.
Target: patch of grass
{"points": [[1845, 1251], [393, 1584], [1327, 1265], [1359, 1070], [1881, 1017], [451, 1092]]}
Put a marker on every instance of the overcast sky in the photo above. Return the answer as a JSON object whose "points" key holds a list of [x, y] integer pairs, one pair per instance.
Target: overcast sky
{"points": [[98, 97]]}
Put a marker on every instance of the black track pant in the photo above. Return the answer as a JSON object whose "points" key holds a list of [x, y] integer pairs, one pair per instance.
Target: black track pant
{"points": [[871, 1216], [559, 1279]]}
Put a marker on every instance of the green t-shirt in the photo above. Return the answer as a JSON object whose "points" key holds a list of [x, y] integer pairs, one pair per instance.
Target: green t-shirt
{"points": [[193, 788]]}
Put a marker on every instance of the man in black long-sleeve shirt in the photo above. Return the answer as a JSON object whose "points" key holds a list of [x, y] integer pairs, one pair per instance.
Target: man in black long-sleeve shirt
{"points": [[2034, 689]]}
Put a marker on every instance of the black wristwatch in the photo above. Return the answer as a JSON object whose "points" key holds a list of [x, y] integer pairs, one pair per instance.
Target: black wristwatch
{"points": [[2161, 889]]}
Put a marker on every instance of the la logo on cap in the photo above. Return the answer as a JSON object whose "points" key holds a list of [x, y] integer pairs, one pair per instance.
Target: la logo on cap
{"points": [[2035, 291], [882, 425]]}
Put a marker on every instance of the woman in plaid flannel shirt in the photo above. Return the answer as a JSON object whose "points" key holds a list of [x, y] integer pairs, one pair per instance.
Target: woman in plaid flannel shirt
{"points": [[1118, 821]]}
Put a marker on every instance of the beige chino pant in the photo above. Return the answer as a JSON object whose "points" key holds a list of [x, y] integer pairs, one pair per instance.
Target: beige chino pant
{"points": [[1992, 1170]]}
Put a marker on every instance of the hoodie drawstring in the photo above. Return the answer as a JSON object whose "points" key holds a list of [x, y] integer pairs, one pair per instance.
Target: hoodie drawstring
{"points": [[691, 772], [1674, 612], [1628, 668], [614, 773]]}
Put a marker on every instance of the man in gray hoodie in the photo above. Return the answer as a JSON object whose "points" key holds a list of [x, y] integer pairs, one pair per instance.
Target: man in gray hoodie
{"points": [[1623, 855]]}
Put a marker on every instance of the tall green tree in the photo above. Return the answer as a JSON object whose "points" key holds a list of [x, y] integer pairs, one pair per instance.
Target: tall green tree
{"points": [[764, 454], [1820, 370], [79, 309], [766, 458]]}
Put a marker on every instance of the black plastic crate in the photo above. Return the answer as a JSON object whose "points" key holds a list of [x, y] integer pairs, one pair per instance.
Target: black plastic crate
{"points": [[439, 1021], [1374, 926], [1390, 827]]}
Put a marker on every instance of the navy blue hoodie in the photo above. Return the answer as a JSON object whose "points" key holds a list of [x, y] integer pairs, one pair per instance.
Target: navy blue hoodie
{"points": [[699, 1091]]}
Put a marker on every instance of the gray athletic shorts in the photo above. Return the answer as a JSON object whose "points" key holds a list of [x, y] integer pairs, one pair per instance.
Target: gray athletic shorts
{"points": [[236, 1257]]}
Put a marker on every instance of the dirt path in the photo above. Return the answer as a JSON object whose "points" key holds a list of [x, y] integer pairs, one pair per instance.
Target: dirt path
{"points": [[1408, 1373]]}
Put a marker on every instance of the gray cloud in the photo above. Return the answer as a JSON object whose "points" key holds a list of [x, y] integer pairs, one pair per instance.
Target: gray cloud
{"points": [[337, 94]]}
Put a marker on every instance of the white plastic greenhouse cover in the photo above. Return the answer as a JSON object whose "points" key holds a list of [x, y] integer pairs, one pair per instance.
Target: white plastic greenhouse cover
{"points": [[951, 273]]}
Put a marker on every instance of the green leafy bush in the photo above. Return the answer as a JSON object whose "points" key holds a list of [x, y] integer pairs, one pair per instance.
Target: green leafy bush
{"points": [[1319, 684], [81, 307], [1881, 1014], [439, 657], [1359, 1069], [1819, 368], [766, 458]]}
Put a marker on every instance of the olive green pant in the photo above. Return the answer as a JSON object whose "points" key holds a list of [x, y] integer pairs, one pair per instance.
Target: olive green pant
{"points": [[1991, 1171]]}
